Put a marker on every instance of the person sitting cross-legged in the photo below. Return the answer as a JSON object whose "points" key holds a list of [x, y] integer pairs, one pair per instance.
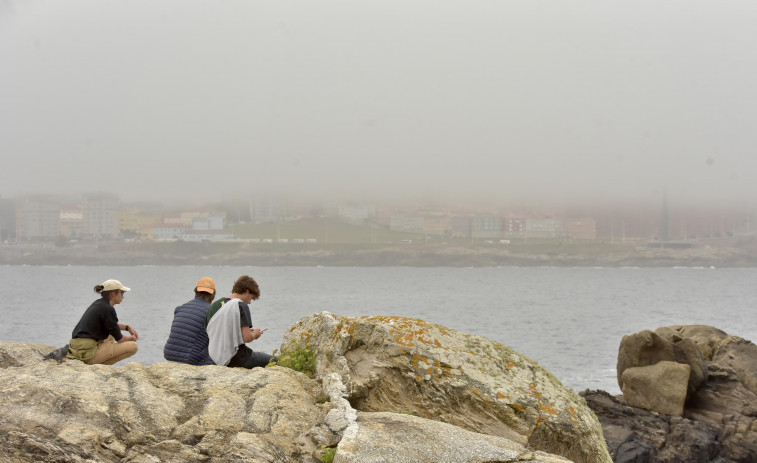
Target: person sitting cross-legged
{"points": [[229, 327]]}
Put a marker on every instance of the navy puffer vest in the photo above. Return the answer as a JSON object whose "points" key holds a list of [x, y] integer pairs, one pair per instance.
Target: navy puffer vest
{"points": [[188, 341]]}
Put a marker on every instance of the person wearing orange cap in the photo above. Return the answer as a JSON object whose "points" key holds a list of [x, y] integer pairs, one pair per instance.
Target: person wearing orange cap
{"points": [[97, 338], [188, 340]]}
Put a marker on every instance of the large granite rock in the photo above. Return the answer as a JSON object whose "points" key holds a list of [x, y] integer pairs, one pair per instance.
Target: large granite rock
{"points": [[719, 421], [170, 412], [394, 364], [166, 412], [660, 387], [665, 344]]}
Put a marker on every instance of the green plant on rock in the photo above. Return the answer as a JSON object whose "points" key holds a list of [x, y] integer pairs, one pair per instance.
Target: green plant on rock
{"points": [[328, 454], [297, 358]]}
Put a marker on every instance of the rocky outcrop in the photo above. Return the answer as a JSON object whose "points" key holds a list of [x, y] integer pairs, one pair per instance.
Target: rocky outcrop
{"points": [[665, 344], [170, 412], [635, 435], [660, 387], [166, 412], [401, 365], [719, 417]]}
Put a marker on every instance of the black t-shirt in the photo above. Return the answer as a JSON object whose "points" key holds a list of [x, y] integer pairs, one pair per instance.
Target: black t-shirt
{"points": [[244, 311], [98, 321]]}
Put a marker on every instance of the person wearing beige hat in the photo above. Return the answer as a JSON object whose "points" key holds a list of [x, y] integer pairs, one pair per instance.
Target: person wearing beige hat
{"points": [[97, 338], [188, 340]]}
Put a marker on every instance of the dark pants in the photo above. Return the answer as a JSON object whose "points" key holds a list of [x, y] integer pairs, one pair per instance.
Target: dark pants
{"points": [[246, 358]]}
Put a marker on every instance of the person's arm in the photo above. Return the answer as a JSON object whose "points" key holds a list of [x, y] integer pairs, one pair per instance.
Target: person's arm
{"points": [[247, 334], [250, 334], [134, 335]]}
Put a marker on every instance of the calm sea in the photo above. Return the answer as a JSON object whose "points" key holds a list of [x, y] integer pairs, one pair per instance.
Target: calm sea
{"points": [[569, 320]]}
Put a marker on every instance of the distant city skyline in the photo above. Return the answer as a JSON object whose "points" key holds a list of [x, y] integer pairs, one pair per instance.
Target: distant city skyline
{"points": [[104, 215]]}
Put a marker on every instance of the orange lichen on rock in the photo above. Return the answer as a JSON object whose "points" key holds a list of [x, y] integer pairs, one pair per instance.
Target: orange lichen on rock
{"points": [[547, 408], [573, 414]]}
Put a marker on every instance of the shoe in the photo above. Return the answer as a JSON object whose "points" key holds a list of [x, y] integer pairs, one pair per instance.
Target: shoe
{"points": [[57, 354]]}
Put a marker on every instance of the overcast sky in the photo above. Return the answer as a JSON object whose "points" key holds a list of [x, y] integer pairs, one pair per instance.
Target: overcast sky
{"points": [[495, 99]]}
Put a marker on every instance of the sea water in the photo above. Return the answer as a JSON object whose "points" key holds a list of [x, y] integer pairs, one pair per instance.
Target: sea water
{"points": [[569, 320]]}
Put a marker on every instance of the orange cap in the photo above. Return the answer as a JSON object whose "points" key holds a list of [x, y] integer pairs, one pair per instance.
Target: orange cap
{"points": [[207, 285]]}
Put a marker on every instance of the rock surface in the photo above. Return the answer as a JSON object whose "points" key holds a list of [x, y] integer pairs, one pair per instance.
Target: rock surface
{"points": [[665, 344], [165, 412], [641, 436], [171, 412], [660, 387], [410, 438], [394, 364], [719, 421]]}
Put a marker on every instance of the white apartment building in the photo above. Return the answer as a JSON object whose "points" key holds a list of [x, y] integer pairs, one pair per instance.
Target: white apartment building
{"points": [[100, 215]]}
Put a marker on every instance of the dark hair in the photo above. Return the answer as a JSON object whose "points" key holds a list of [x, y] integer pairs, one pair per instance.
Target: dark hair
{"points": [[104, 294], [204, 295], [244, 284]]}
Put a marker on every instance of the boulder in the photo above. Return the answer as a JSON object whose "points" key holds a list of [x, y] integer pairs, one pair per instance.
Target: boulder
{"points": [[166, 412], [13, 354], [411, 438], [402, 365], [665, 344], [171, 412], [719, 419], [641, 436], [660, 387]]}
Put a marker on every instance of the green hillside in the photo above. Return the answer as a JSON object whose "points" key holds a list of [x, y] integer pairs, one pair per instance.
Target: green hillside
{"points": [[325, 231]]}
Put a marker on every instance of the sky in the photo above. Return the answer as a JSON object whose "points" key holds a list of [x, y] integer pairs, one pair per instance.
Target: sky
{"points": [[496, 99]]}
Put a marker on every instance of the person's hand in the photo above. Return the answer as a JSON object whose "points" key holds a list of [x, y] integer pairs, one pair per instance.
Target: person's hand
{"points": [[257, 332], [134, 333]]}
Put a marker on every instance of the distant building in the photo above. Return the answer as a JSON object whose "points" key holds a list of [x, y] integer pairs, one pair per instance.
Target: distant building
{"points": [[137, 225], [204, 235], [436, 224], [186, 218], [513, 226], [100, 215], [580, 228], [544, 228], [486, 227], [7, 220], [38, 218], [211, 222], [357, 212], [71, 221], [406, 223], [166, 232], [460, 227]]}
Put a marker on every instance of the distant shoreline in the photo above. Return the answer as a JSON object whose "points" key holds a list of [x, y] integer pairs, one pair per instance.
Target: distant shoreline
{"points": [[736, 253]]}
